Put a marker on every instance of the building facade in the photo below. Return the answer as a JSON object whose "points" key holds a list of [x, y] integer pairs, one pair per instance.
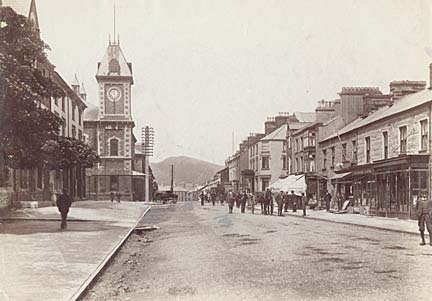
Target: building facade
{"points": [[39, 187], [109, 128], [382, 161]]}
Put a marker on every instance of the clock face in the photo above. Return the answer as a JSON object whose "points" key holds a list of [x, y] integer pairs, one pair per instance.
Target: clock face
{"points": [[114, 94]]}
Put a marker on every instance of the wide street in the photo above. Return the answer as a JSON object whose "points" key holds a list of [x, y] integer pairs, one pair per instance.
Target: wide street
{"points": [[203, 253]]}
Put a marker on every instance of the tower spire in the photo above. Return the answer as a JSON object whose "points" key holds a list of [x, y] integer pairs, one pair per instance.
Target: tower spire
{"points": [[114, 24]]}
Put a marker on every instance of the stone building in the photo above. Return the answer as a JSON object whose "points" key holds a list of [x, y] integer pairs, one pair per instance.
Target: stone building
{"points": [[39, 187], [381, 161], [109, 128]]}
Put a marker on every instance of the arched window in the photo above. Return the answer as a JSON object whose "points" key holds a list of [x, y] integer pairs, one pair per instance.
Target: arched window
{"points": [[114, 147], [113, 66]]}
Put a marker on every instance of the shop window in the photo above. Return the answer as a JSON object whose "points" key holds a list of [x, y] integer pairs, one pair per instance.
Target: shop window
{"points": [[23, 174], [368, 149], [265, 163], [385, 144], [403, 139], [424, 135]]}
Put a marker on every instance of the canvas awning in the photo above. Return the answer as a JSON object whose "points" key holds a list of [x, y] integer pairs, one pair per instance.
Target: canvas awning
{"points": [[294, 183], [340, 176]]}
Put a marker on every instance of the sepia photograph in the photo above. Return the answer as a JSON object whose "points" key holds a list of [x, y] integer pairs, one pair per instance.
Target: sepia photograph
{"points": [[215, 150]]}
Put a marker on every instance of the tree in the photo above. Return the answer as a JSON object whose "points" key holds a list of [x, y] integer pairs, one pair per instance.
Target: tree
{"points": [[24, 125]]}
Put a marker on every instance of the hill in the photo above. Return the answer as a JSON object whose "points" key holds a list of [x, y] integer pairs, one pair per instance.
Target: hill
{"points": [[186, 170]]}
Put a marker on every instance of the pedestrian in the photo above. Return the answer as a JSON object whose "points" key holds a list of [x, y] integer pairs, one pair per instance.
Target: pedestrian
{"points": [[286, 200], [424, 215], [328, 200], [294, 201], [237, 198], [63, 203], [213, 198], [202, 198], [267, 197], [230, 202], [222, 197], [112, 196], [252, 201], [118, 197], [243, 201], [304, 203], [280, 202]]}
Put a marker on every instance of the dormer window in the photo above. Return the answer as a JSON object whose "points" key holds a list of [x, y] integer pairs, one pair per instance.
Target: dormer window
{"points": [[113, 67]]}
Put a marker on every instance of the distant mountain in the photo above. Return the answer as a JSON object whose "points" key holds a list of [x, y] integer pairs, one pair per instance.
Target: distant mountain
{"points": [[186, 170]]}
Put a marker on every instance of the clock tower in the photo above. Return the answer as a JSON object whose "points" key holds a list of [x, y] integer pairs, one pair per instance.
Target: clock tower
{"points": [[114, 124]]}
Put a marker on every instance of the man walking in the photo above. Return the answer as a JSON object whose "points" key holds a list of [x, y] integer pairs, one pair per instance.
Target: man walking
{"points": [[293, 201], [304, 203], [424, 213], [252, 201], [327, 201], [213, 198], [202, 198], [118, 197], [243, 201], [230, 202], [64, 202]]}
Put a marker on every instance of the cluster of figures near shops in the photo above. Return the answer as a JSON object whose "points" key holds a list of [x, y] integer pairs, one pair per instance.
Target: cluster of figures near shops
{"points": [[292, 201], [266, 199]]}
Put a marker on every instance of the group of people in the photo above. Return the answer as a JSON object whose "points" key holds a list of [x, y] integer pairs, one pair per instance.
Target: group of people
{"points": [[267, 199]]}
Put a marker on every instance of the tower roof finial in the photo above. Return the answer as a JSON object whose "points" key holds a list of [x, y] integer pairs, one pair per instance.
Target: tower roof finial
{"points": [[114, 24]]}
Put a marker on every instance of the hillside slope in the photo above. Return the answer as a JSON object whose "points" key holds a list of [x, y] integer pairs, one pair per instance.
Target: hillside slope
{"points": [[186, 170]]}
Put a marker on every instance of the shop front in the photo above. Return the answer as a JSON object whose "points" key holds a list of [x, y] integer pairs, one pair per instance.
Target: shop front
{"points": [[400, 181]]}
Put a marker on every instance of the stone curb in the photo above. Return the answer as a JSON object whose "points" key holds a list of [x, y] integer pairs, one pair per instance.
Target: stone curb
{"points": [[46, 219], [88, 283]]}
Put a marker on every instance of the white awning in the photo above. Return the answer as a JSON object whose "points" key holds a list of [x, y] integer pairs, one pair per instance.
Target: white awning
{"points": [[290, 183], [340, 175]]}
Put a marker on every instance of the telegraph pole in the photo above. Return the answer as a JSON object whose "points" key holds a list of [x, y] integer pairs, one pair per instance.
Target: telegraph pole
{"points": [[172, 178], [147, 140]]}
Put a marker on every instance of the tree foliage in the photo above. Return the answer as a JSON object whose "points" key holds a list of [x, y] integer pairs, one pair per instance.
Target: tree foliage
{"points": [[64, 153], [28, 131], [24, 124]]}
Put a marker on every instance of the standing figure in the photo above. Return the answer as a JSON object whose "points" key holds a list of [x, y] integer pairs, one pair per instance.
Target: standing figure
{"points": [[328, 201], [268, 201], [424, 214], [280, 202], [222, 197], [112, 196], [213, 198], [64, 202], [230, 202], [252, 201], [293, 201], [202, 198], [118, 195], [243, 201], [286, 199], [304, 203]]}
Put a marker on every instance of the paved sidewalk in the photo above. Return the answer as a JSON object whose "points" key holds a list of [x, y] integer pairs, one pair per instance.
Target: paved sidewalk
{"points": [[38, 261], [384, 223]]}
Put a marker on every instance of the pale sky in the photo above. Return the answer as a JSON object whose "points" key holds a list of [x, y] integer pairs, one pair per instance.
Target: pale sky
{"points": [[206, 69]]}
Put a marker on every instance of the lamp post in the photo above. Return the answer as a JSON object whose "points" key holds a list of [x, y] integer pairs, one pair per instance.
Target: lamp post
{"points": [[147, 141]]}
